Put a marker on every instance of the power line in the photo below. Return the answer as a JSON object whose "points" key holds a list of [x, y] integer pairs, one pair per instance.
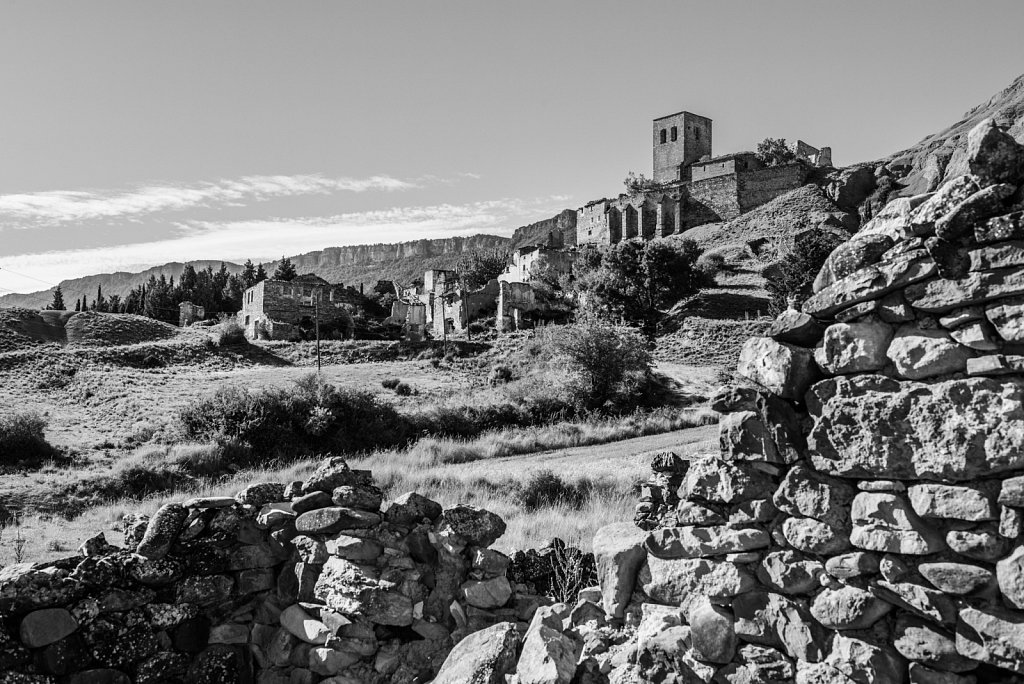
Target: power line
{"points": [[44, 282]]}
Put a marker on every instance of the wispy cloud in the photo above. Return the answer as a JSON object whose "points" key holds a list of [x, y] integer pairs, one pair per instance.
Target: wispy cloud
{"points": [[268, 239], [63, 206]]}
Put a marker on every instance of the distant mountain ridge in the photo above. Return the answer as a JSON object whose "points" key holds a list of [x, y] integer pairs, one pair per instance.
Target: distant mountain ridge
{"points": [[352, 265]]}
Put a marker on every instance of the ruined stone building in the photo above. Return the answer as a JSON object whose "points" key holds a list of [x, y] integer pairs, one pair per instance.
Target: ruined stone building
{"points": [[527, 261], [189, 313], [289, 309], [694, 188]]}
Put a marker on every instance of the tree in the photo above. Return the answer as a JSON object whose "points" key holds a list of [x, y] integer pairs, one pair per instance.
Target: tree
{"points": [[285, 270], [633, 281], [58, 300], [101, 303], [793, 275], [477, 268], [78, 305], [774, 152], [248, 274], [639, 183], [261, 274], [609, 365]]}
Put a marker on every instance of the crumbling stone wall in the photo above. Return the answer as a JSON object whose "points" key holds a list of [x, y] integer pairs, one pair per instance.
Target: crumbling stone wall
{"points": [[313, 581], [862, 519]]}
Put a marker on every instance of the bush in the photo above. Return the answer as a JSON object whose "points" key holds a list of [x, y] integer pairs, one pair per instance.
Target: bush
{"points": [[230, 335], [23, 439], [499, 375], [793, 275], [610, 366], [311, 416], [545, 488], [403, 390], [389, 383]]}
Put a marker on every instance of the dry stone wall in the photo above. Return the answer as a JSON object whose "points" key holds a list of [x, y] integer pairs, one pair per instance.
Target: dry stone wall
{"points": [[314, 581], [862, 519]]}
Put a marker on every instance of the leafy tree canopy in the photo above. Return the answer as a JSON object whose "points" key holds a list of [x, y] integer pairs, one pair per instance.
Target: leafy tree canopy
{"points": [[774, 152], [285, 270], [477, 268], [793, 275]]}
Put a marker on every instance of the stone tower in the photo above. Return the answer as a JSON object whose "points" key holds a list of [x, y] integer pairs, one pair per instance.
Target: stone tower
{"points": [[678, 141]]}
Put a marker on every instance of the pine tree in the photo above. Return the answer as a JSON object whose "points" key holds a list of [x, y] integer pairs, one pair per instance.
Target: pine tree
{"points": [[58, 300], [100, 304], [249, 274], [285, 270], [261, 273], [78, 305]]}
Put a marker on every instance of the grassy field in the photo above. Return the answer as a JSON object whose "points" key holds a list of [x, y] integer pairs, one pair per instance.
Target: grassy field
{"points": [[602, 478], [113, 408]]}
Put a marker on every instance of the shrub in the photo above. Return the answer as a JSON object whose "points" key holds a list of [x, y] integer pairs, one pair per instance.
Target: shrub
{"points": [[310, 416], [403, 390], [611, 366], [389, 383], [793, 275], [230, 335], [547, 488], [499, 375], [23, 439]]}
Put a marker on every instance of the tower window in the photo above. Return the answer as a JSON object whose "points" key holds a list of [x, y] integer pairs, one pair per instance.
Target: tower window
{"points": [[675, 134], [663, 137], [696, 133]]}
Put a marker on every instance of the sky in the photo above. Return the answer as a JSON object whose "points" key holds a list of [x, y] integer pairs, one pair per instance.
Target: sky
{"points": [[135, 133]]}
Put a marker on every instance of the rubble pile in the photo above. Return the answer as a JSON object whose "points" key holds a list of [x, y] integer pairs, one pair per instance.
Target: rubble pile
{"points": [[314, 581]]}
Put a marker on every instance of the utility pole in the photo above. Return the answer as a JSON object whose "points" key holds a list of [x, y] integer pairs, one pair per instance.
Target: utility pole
{"points": [[316, 327]]}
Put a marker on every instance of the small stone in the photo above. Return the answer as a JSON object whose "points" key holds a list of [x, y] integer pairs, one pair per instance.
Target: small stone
{"points": [[42, 627], [978, 335], [332, 473], [789, 572], [328, 661], [979, 544], [487, 594], [353, 548], [812, 536], [162, 531], [854, 347], [210, 502], [849, 565], [958, 503], [919, 674], [712, 636], [796, 327], [260, 494], [548, 656], [955, 578], [1011, 522], [700, 542], [311, 502], [923, 642], [892, 568], [1010, 575], [693, 513], [848, 608], [804, 492], [927, 603], [776, 620], [334, 519], [476, 526], [303, 627], [991, 636]]}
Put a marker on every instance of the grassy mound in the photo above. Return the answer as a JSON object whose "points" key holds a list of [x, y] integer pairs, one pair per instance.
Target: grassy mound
{"points": [[91, 328], [24, 328]]}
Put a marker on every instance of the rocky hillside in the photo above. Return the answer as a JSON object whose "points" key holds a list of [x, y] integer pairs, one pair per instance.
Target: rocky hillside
{"points": [[943, 155]]}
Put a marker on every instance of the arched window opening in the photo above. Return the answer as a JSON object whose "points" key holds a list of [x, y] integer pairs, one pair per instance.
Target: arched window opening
{"points": [[675, 134], [663, 136]]}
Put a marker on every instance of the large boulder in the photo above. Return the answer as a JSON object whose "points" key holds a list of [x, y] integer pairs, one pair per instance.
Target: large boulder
{"points": [[993, 155], [681, 581], [854, 254], [618, 553], [875, 427], [484, 657], [871, 282]]}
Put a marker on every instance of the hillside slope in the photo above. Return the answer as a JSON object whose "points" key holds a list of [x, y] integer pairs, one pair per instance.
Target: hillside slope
{"points": [[942, 155]]}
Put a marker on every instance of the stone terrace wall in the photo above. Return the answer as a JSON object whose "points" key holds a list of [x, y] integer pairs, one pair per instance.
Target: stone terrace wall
{"points": [[314, 581], [862, 521]]}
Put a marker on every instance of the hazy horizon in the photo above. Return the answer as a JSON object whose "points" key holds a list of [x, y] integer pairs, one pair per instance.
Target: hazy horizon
{"points": [[135, 134]]}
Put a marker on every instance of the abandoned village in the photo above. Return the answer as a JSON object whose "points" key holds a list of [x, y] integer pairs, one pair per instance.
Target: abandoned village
{"points": [[690, 187]]}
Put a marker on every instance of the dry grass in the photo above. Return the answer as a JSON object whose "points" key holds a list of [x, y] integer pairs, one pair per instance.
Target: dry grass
{"points": [[608, 472]]}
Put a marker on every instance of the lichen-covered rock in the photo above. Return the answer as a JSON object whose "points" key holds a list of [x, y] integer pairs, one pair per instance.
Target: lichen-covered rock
{"points": [[475, 526], [260, 494], [854, 254], [993, 155], [958, 503], [870, 283], [918, 354], [804, 492], [162, 531], [332, 473], [991, 636], [363, 497], [411, 508], [875, 427], [334, 519], [813, 536], [31, 586], [789, 572]]}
